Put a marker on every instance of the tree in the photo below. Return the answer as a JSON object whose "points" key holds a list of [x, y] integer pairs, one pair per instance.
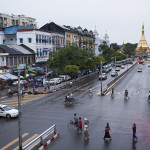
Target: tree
{"points": [[130, 49], [115, 46], [107, 52], [71, 69], [71, 55]]}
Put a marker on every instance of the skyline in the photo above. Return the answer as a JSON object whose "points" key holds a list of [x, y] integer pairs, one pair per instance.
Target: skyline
{"points": [[122, 20]]}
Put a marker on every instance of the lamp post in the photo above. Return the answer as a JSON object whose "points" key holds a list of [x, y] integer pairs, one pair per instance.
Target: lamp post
{"points": [[101, 80], [19, 109]]}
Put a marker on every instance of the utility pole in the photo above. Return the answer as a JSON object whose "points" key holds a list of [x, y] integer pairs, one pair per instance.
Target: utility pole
{"points": [[101, 80], [19, 109]]}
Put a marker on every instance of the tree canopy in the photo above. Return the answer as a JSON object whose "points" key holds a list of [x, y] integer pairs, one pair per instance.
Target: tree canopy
{"points": [[72, 55]]}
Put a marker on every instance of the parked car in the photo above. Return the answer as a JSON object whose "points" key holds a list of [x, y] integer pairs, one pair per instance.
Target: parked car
{"points": [[139, 70], [114, 74], [122, 67], [8, 112], [104, 76], [55, 80], [117, 69]]}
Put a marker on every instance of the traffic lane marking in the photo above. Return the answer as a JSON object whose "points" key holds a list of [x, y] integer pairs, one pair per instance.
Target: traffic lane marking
{"points": [[13, 142], [27, 141]]}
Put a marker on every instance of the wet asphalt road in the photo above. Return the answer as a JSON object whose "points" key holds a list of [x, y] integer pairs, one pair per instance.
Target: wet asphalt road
{"points": [[121, 114]]}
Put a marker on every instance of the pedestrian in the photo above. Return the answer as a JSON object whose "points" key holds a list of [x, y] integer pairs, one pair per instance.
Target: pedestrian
{"points": [[107, 129], [86, 132], [134, 132], [149, 96], [80, 126], [75, 120], [45, 87], [70, 84], [48, 86]]}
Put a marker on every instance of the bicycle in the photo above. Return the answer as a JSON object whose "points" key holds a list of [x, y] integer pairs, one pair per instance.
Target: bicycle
{"points": [[72, 100], [72, 125], [112, 95]]}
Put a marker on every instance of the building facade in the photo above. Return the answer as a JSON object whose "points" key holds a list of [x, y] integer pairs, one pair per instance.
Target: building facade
{"points": [[19, 20], [13, 55], [83, 38], [41, 42]]}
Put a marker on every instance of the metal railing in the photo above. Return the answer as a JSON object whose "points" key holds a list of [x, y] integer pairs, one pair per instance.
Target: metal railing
{"points": [[41, 139]]}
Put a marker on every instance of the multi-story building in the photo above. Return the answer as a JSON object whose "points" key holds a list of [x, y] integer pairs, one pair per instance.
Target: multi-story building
{"points": [[42, 42], [83, 38], [19, 20]]}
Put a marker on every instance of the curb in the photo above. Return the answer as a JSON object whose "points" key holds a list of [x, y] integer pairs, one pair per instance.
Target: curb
{"points": [[49, 141]]}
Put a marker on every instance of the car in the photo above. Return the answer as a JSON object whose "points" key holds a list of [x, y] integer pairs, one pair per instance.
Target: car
{"points": [[139, 70], [8, 112], [55, 80], [117, 69], [148, 65], [104, 76], [122, 67], [114, 74]]}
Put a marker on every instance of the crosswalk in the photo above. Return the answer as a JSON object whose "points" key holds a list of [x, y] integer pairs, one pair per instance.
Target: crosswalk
{"points": [[13, 101], [26, 138]]}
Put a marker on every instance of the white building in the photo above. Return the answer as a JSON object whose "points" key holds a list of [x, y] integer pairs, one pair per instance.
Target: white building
{"points": [[41, 42], [19, 20], [99, 41]]}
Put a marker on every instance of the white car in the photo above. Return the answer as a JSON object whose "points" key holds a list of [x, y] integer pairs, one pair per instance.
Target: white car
{"points": [[139, 70], [104, 76], [117, 69], [55, 80], [8, 112], [122, 67]]}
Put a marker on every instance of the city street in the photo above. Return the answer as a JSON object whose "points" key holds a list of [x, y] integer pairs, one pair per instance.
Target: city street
{"points": [[41, 113]]}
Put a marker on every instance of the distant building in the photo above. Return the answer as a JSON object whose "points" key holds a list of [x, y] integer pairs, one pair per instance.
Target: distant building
{"points": [[142, 49], [19, 20], [83, 38], [99, 41]]}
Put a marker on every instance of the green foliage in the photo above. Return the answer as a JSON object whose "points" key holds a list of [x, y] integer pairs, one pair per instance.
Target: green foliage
{"points": [[69, 69], [71, 55], [130, 49], [115, 46]]}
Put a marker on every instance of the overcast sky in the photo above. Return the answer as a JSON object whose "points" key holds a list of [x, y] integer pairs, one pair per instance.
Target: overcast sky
{"points": [[121, 19]]}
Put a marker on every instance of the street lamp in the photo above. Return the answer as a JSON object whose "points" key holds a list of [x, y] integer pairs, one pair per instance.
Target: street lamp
{"points": [[101, 80]]}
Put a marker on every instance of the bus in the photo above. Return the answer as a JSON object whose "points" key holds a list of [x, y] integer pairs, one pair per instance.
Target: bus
{"points": [[118, 63], [106, 68]]}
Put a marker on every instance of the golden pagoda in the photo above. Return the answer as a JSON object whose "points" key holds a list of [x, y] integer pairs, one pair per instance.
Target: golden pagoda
{"points": [[142, 49], [121, 50]]}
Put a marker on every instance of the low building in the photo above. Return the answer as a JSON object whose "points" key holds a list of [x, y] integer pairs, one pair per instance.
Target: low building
{"points": [[13, 55]]}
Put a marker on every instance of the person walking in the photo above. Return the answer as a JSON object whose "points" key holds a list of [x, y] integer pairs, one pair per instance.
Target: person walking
{"points": [[134, 132], [86, 132], [45, 87], [80, 126], [107, 129]]}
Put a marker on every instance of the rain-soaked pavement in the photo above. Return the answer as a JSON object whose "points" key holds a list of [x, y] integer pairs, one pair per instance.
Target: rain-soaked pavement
{"points": [[119, 113]]}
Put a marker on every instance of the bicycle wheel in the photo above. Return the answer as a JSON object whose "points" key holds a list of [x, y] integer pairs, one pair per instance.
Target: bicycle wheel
{"points": [[75, 101]]}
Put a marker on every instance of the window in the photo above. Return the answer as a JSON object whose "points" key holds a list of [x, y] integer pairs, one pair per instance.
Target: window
{"points": [[21, 40], [29, 40]]}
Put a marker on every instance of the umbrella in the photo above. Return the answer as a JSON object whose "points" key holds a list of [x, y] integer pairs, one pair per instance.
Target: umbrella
{"points": [[24, 81], [3, 77]]}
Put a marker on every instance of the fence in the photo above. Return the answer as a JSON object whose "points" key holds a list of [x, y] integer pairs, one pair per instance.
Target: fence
{"points": [[41, 139]]}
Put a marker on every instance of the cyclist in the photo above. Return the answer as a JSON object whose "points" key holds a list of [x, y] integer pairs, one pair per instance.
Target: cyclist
{"points": [[112, 93], [71, 96], [126, 93], [90, 91]]}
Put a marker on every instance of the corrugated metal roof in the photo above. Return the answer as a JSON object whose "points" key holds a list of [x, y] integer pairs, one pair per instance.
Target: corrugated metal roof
{"points": [[15, 49]]}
